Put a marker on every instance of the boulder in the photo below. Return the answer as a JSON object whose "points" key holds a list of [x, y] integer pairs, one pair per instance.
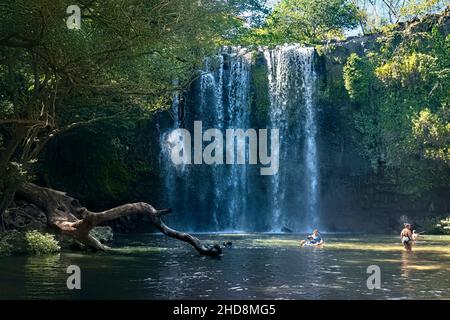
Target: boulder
{"points": [[24, 216], [103, 234]]}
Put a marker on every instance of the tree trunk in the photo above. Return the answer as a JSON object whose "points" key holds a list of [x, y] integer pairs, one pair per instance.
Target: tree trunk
{"points": [[66, 215], [8, 178], [17, 136], [7, 196]]}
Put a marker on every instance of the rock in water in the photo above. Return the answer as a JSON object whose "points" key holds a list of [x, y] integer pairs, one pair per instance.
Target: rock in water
{"points": [[103, 234]]}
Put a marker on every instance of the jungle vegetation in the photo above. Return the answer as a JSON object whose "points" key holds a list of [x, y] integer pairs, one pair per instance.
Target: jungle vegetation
{"points": [[128, 58]]}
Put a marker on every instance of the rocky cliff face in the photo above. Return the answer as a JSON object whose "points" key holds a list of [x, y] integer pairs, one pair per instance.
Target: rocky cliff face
{"points": [[355, 196]]}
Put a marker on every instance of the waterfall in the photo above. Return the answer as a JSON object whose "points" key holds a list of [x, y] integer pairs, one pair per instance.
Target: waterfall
{"points": [[291, 78], [235, 197], [238, 92], [221, 101], [167, 142], [312, 172], [228, 100]]}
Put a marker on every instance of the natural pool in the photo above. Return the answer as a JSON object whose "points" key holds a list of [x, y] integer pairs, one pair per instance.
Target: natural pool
{"points": [[258, 266]]}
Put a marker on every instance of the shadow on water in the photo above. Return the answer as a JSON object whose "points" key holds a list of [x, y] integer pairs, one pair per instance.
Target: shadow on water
{"points": [[257, 266]]}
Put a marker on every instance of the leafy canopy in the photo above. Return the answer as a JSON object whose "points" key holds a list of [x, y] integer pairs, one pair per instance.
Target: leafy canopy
{"points": [[126, 61], [306, 21]]}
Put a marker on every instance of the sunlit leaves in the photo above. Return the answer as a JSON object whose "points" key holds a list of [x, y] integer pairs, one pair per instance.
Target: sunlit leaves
{"points": [[307, 21], [401, 97], [408, 70], [358, 77], [431, 133]]}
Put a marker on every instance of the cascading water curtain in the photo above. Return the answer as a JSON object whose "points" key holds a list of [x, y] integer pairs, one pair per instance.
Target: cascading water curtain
{"points": [[218, 193], [222, 197], [292, 79]]}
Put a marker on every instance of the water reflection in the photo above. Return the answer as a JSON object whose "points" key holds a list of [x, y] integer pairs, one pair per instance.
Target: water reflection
{"points": [[257, 267]]}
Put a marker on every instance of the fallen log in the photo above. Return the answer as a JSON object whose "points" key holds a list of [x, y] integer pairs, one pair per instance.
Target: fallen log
{"points": [[66, 215]]}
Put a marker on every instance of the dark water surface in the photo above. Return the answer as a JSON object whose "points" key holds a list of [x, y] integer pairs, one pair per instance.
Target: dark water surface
{"points": [[259, 266]]}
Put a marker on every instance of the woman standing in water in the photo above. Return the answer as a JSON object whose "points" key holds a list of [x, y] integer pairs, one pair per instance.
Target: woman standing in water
{"points": [[406, 237]]}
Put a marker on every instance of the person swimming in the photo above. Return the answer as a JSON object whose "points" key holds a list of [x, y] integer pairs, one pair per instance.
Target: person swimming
{"points": [[406, 237], [314, 239]]}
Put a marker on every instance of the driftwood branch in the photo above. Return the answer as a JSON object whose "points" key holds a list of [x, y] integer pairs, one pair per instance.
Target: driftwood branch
{"points": [[67, 216]]}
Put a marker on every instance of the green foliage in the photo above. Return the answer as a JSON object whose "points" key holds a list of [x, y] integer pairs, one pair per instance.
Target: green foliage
{"points": [[445, 225], [401, 107], [39, 243], [406, 70], [130, 48], [31, 242], [437, 225], [361, 85], [6, 248], [253, 11], [305, 21], [125, 61], [358, 77], [416, 8], [108, 170], [431, 132]]}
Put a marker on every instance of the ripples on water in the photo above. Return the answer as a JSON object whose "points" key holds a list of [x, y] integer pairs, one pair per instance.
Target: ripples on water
{"points": [[267, 266]]}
